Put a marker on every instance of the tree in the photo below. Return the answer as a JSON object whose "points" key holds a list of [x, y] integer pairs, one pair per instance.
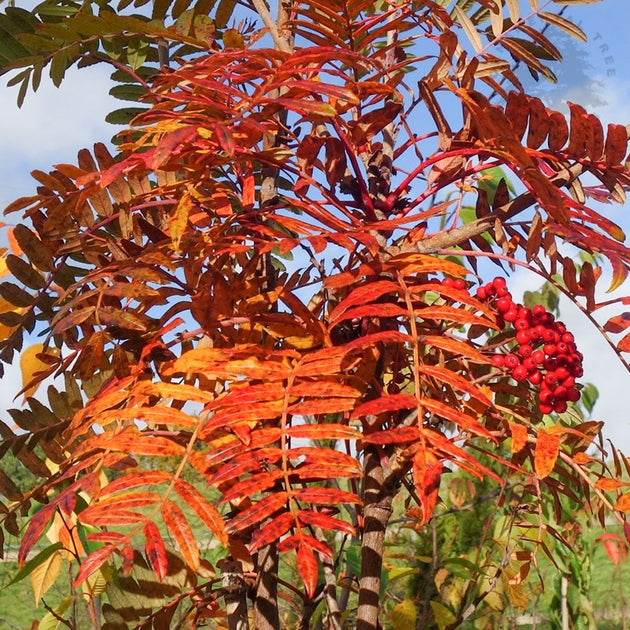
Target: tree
{"points": [[271, 282]]}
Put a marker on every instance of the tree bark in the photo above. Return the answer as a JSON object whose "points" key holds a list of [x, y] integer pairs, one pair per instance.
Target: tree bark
{"points": [[266, 616], [234, 594], [377, 509]]}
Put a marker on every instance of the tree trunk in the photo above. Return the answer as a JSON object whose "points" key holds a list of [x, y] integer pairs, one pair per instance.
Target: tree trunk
{"points": [[266, 616], [234, 594], [377, 509]]}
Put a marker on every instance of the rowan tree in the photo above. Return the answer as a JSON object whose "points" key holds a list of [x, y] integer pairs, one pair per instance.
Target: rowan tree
{"points": [[282, 302]]}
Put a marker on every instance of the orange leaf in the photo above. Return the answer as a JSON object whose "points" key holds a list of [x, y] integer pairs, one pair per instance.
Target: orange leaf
{"points": [[546, 453], [155, 550], [519, 436], [133, 480], [618, 323], [609, 484], [203, 509], [427, 473], [181, 532], [324, 431], [623, 503]]}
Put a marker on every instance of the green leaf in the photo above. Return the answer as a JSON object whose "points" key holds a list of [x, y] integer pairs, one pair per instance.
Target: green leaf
{"points": [[128, 92], [34, 562], [137, 52], [124, 116]]}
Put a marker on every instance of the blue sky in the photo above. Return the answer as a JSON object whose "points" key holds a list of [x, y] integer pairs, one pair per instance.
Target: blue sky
{"points": [[54, 124]]}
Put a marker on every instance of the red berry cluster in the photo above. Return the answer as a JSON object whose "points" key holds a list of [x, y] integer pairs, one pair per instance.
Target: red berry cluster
{"points": [[545, 353]]}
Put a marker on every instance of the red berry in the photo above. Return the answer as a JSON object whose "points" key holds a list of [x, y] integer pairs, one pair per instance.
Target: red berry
{"points": [[538, 310], [562, 347], [511, 315], [448, 282], [538, 356], [568, 382], [523, 337], [573, 394], [548, 336], [521, 324], [524, 313], [551, 378], [529, 364], [481, 293], [504, 304], [550, 349], [535, 377], [562, 373], [525, 351], [545, 395], [560, 392], [511, 361], [503, 292], [499, 282], [567, 337], [560, 406], [498, 360], [545, 408], [519, 373]]}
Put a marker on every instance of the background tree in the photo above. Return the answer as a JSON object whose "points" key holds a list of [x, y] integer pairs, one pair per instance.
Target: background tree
{"points": [[270, 282]]}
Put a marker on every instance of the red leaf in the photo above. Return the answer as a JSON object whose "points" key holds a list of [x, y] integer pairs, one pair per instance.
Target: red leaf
{"points": [[397, 435], [309, 568], [272, 531], [182, 534], [203, 509], [546, 453], [93, 563], [385, 404], [325, 496], [318, 519], [155, 550], [616, 144], [258, 512]]}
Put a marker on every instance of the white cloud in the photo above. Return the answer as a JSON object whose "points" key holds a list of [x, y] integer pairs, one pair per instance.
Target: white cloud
{"points": [[50, 128]]}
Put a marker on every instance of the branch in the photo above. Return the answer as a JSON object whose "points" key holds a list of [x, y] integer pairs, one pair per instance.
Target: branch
{"points": [[263, 12], [449, 238]]}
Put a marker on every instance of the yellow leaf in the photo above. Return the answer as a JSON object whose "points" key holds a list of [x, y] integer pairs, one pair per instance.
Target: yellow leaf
{"points": [[30, 365], [45, 575], [233, 39], [443, 616], [404, 615], [96, 583]]}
